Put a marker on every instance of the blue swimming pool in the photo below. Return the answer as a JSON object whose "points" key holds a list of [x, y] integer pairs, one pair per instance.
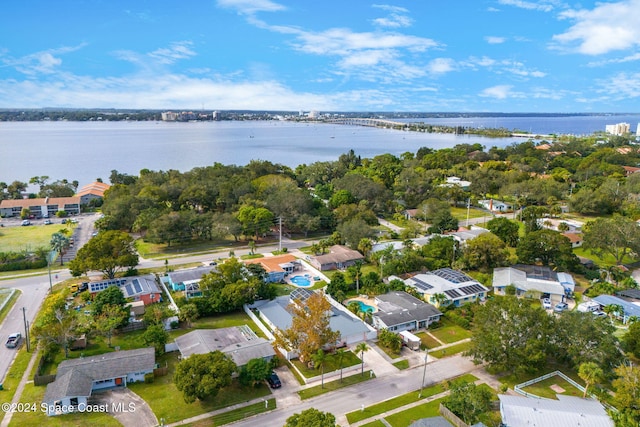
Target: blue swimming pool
{"points": [[363, 306], [301, 281]]}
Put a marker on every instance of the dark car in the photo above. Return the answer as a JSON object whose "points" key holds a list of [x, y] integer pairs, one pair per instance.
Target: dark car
{"points": [[274, 381]]}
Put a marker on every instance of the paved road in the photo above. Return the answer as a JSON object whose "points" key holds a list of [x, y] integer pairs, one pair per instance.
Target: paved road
{"points": [[352, 398]]}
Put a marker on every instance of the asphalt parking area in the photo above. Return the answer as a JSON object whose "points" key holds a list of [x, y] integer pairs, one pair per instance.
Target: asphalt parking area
{"points": [[126, 407]]}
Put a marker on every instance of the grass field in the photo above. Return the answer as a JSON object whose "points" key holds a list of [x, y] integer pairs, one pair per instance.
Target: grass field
{"points": [[450, 351], [331, 364], [427, 340], [543, 388], [335, 384], [18, 239], [448, 332]]}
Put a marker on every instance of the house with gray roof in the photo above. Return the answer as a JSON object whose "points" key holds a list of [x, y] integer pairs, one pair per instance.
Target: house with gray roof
{"points": [[454, 286], [398, 311], [177, 280], [76, 379], [137, 288], [533, 279], [240, 343], [339, 257], [277, 316], [566, 411], [629, 309]]}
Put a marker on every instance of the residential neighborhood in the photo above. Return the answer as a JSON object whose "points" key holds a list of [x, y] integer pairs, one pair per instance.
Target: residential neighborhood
{"points": [[258, 313]]}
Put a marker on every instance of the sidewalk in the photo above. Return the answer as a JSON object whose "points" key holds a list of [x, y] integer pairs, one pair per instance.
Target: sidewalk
{"points": [[25, 379]]}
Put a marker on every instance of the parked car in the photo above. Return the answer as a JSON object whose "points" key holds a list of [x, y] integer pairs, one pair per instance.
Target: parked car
{"points": [[274, 381], [599, 313], [26, 222], [546, 303], [47, 222], [560, 307], [14, 340]]}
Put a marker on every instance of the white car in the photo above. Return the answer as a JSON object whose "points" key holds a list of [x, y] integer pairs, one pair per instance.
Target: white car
{"points": [[546, 303]]}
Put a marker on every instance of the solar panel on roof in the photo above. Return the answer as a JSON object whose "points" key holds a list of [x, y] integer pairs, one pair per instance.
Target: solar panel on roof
{"points": [[452, 293], [128, 290], [422, 284], [137, 286], [471, 289], [452, 276]]}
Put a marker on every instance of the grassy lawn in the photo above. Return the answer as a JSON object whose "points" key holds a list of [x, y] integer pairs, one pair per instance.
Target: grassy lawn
{"points": [[607, 260], [448, 332], [427, 340], [10, 301], [241, 413], [450, 351], [512, 379], [166, 401], [226, 320], [392, 354], [405, 418], [376, 423], [161, 250], [33, 394], [331, 364], [461, 214], [335, 384], [543, 388], [403, 364], [393, 403], [14, 375], [17, 239]]}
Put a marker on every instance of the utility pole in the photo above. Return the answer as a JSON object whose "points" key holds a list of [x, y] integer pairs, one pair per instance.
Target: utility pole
{"points": [[280, 232], [468, 207], [26, 328], [424, 371]]}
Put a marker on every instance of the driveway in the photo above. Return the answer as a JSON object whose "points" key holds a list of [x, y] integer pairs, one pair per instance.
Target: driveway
{"points": [[126, 407]]}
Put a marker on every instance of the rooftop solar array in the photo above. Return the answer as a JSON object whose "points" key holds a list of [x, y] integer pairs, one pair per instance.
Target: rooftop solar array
{"points": [[452, 276], [137, 286], [300, 294], [421, 284], [128, 290], [537, 272], [471, 289], [452, 293]]}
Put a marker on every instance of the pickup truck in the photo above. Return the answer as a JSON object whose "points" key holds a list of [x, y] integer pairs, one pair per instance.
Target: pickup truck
{"points": [[13, 340]]}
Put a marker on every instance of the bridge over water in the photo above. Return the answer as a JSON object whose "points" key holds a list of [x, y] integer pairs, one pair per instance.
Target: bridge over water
{"points": [[355, 121]]}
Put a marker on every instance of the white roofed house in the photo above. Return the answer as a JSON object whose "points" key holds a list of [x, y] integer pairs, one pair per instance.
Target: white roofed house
{"points": [[453, 287], [566, 411], [533, 279], [398, 311]]}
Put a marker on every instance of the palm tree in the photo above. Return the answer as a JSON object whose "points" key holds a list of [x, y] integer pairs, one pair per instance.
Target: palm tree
{"points": [[59, 243], [318, 360], [362, 347], [354, 307], [340, 353], [439, 298], [590, 373], [365, 245], [356, 270]]}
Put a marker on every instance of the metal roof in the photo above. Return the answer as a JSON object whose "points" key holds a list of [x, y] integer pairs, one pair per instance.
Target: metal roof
{"points": [[567, 411]]}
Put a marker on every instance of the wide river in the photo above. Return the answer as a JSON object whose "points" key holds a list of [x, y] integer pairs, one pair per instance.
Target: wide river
{"points": [[84, 151]]}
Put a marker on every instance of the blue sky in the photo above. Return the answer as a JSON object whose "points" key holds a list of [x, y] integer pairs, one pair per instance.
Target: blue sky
{"points": [[348, 55]]}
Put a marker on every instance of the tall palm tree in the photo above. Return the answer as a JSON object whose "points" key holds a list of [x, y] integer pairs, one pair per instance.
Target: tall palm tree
{"points": [[59, 243], [362, 347], [356, 271], [319, 358], [340, 353]]}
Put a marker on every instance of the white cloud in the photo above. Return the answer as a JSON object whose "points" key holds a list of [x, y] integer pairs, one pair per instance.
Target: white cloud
{"points": [[608, 27], [630, 58], [498, 92], [43, 62], [397, 17], [621, 86], [177, 50], [441, 65], [250, 7], [543, 6], [495, 40]]}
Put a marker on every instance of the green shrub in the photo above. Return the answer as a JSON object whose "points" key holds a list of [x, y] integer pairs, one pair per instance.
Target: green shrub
{"points": [[148, 378]]}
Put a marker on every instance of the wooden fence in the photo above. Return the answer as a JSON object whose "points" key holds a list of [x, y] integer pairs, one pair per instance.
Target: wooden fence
{"points": [[451, 417]]}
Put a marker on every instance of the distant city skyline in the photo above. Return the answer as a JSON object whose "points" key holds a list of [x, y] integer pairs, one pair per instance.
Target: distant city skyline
{"points": [[467, 55]]}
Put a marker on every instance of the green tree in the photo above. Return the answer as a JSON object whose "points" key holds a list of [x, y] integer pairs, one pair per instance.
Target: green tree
{"points": [[340, 353], [109, 319], [255, 371], [443, 221], [631, 339], [505, 229], [59, 243], [590, 373], [548, 247], [319, 358], [468, 401], [520, 343], [627, 396], [112, 296], [361, 348], [355, 271], [156, 336], [354, 230], [255, 221], [310, 330], [188, 313], [390, 340], [201, 376], [485, 252], [311, 418], [107, 252], [617, 236]]}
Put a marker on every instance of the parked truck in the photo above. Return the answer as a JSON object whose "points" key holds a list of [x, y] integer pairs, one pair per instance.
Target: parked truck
{"points": [[410, 340]]}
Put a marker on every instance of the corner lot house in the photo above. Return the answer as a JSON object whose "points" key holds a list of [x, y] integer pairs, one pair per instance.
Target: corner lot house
{"points": [[76, 379], [533, 278], [339, 257], [240, 343], [140, 288], [398, 311], [40, 207], [456, 287], [567, 411]]}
